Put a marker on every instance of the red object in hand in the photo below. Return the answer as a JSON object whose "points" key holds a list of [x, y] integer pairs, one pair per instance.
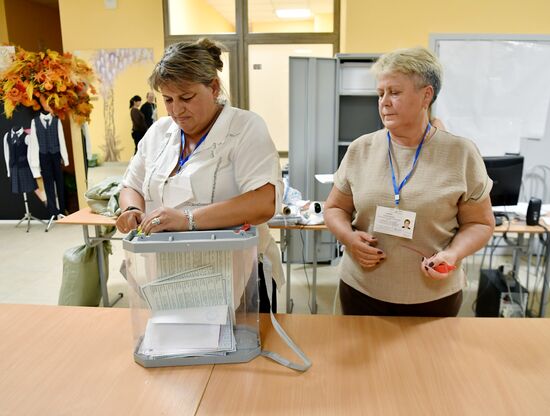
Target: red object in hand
{"points": [[444, 268], [245, 227]]}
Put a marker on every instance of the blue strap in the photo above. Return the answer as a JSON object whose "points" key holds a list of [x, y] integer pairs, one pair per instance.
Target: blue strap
{"points": [[397, 189], [182, 159]]}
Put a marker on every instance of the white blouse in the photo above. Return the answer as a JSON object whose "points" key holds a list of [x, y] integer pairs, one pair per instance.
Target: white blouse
{"points": [[236, 157]]}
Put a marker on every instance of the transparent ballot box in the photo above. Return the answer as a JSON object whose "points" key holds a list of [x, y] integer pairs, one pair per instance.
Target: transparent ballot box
{"points": [[193, 297]]}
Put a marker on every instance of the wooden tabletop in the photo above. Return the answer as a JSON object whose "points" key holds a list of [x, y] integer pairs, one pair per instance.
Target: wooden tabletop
{"points": [[393, 366], [60, 360], [70, 360], [516, 226], [85, 216]]}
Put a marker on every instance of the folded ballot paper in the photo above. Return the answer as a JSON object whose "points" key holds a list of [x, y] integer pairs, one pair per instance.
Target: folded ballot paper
{"points": [[191, 314], [189, 332], [186, 291]]}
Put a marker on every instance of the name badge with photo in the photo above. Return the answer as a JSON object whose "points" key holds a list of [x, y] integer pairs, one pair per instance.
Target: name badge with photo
{"points": [[394, 221]]}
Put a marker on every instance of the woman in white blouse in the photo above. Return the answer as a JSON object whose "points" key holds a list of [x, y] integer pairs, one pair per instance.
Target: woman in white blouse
{"points": [[208, 165]]}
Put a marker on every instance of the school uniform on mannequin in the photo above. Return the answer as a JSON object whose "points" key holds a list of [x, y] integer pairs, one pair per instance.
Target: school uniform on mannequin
{"points": [[47, 149], [15, 152]]}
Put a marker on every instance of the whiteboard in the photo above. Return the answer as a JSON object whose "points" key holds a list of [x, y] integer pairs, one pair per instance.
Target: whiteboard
{"points": [[494, 91]]}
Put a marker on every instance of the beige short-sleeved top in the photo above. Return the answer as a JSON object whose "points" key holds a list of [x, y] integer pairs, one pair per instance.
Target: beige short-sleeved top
{"points": [[449, 170]]}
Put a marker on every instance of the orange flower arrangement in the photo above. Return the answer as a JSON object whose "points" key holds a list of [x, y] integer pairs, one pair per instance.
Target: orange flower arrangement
{"points": [[56, 82]]}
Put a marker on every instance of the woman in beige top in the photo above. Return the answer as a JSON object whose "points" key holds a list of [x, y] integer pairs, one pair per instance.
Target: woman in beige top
{"points": [[408, 173]]}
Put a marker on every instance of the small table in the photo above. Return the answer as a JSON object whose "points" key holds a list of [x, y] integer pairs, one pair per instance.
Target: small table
{"points": [[86, 218], [285, 246]]}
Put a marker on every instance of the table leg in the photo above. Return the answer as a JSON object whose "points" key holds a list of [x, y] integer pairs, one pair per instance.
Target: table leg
{"points": [[289, 301], [100, 265], [516, 255], [314, 280], [546, 278], [50, 223]]}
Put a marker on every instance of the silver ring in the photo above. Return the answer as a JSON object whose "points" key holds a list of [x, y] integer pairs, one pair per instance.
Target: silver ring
{"points": [[155, 221]]}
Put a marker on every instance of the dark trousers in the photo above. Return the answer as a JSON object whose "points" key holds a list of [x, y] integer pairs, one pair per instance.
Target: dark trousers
{"points": [[264, 299], [137, 136], [50, 169], [357, 303]]}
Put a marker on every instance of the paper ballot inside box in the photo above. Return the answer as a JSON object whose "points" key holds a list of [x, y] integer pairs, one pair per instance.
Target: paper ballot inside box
{"points": [[210, 315], [189, 332]]}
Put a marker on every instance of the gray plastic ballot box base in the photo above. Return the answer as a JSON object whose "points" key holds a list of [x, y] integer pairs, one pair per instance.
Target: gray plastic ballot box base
{"points": [[248, 347]]}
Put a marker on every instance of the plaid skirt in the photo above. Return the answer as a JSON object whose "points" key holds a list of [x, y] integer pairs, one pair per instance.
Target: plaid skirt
{"points": [[22, 179]]}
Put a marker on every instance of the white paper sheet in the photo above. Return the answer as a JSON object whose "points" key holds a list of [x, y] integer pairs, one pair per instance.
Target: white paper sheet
{"points": [[201, 315], [164, 339], [325, 178]]}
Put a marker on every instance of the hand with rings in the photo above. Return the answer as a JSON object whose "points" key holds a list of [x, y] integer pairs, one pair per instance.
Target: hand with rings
{"points": [[164, 219]]}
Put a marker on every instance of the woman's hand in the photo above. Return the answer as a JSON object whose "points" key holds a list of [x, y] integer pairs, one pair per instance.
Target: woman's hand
{"points": [[129, 220], [133, 202], [164, 219], [361, 246], [439, 261]]}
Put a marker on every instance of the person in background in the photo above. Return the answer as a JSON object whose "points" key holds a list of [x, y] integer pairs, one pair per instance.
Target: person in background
{"points": [[149, 109], [139, 127], [206, 166], [408, 170]]}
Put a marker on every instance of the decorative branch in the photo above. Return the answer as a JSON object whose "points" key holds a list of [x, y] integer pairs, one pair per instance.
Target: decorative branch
{"points": [[108, 64]]}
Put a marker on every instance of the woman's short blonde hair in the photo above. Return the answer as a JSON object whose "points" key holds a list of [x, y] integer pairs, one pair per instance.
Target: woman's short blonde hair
{"points": [[197, 62], [418, 63]]}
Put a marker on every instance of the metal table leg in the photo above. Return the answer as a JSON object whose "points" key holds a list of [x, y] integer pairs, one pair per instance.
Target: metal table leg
{"points": [[546, 278], [98, 242], [102, 277], [285, 236], [314, 280]]}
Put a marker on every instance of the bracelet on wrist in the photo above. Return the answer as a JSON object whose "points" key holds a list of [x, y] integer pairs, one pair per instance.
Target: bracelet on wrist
{"points": [[191, 224], [131, 208]]}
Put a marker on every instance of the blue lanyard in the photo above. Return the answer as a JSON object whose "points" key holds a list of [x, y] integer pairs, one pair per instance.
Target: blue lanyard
{"points": [[397, 189], [182, 159]]}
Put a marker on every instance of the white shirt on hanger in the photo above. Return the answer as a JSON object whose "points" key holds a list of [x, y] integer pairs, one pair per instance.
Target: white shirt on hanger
{"points": [[35, 172], [34, 159]]}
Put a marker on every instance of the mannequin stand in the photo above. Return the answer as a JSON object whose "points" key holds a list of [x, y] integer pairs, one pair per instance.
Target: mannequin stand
{"points": [[51, 221], [28, 216]]}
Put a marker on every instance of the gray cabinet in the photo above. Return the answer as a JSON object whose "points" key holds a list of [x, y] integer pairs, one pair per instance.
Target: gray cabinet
{"points": [[332, 101], [357, 101]]}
